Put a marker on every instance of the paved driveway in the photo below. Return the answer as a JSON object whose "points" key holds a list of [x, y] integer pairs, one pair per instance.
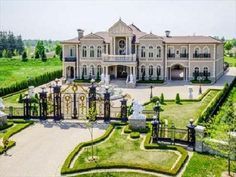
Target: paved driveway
{"points": [[42, 148]]}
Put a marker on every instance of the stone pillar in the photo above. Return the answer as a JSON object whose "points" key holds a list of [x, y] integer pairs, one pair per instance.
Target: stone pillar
{"points": [[123, 111], [199, 136], [43, 105], [27, 107], [114, 46], [107, 106], [107, 49], [57, 103], [92, 96], [130, 48], [126, 45]]}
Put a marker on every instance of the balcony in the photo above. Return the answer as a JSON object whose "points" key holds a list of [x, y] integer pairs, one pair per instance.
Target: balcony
{"points": [[170, 55], [70, 59], [180, 56], [183, 55], [119, 58], [201, 55]]}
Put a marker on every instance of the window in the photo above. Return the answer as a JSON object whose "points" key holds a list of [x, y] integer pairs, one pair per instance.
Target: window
{"points": [[183, 50], [177, 52], [158, 70], [143, 52], [150, 52], [206, 50], [197, 51], [92, 70], [71, 52], [84, 69], [122, 44], [142, 69], [99, 70], [99, 51], [84, 52], [91, 51], [158, 51], [196, 69], [150, 70], [205, 69]]}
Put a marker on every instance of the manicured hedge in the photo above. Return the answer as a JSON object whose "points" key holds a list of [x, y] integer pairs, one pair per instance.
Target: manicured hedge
{"points": [[5, 126], [36, 81], [67, 170], [202, 82], [135, 135], [150, 81], [85, 80], [127, 129]]}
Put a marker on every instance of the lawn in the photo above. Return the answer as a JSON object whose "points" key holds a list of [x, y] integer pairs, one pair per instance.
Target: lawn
{"points": [[13, 99], [179, 114], [120, 151], [14, 70], [115, 174], [230, 60], [206, 165]]}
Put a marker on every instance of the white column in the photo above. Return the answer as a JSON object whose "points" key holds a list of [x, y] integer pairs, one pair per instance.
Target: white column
{"points": [[114, 46], [189, 54], [77, 60], [130, 45], [214, 62], [106, 48], [165, 61], [106, 70], [126, 45], [63, 59]]}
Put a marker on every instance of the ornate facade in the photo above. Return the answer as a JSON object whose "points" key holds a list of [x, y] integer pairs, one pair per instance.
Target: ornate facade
{"points": [[124, 50]]}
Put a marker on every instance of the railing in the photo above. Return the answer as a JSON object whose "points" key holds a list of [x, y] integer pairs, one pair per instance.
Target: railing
{"points": [[177, 57], [115, 58], [171, 55], [70, 59], [201, 55], [183, 55]]}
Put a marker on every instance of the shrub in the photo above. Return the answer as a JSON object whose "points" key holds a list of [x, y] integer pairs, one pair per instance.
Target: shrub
{"points": [[154, 99], [134, 135], [127, 129], [5, 126], [24, 56], [177, 99], [20, 99], [162, 98]]}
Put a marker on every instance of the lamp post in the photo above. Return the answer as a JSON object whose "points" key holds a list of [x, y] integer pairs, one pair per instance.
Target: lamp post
{"points": [[199, 78], [151, 91], [157, 108], [191, 133], [74, 88]]}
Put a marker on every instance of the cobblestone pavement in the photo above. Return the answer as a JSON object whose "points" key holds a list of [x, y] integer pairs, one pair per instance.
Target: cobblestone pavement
{"points": [[42, 148]]}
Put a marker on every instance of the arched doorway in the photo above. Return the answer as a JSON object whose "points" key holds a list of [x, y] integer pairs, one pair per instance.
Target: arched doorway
{"points": [[122, 71], [70, 74], [177, 72]]}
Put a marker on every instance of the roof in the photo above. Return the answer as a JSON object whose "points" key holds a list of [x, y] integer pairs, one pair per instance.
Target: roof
{"points": [[190, 39], [71, 41]]}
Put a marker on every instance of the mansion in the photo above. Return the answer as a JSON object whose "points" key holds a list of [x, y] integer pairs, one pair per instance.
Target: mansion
{"points": [[125, 50]]}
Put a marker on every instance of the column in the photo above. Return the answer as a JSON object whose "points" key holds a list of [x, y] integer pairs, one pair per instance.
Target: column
{"points": [[199, 136], [114, 46], [106, 48], [189, 74], [170, 73], [106, 70], [63, 58], [165, 60], [126, 45], [214, 63], [130, 48]]}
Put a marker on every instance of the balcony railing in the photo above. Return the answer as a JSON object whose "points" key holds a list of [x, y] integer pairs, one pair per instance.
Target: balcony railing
{"points": [[201, 55], [183, 55], [171, 55], [117, 58], [70, 59], [177, 57]]}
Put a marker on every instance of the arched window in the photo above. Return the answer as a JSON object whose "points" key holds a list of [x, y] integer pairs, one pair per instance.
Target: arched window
{"points": [[197, 50], [158, 51], [171, 52], [99, 70], [158, 70], [205, 69], [99, 51], [143, 52], [196, 70], [84, 69], [150, 70], [71, 52], [84, 52], [206, 73], [142, 69], [150, 52], [183, 50], [92, 70], [91, 51], [206, 50]]}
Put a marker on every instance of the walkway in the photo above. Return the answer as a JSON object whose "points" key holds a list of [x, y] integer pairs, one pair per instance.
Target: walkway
{"points": [[42, 148]]}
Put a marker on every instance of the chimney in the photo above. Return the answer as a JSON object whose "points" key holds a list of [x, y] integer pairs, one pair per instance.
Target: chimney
{"points": [[80, 33], [167, 33]]}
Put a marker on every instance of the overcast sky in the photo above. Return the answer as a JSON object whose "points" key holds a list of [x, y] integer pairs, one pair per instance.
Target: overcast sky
{"points": [[59, 19]]}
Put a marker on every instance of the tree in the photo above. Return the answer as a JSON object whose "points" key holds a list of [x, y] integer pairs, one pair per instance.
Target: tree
{"points": [[40, 51], [24, 56], [4, 53], [162, 98], [228, 46], [43, 56], [58, 51], [98, 76], [177, 99], [20, 100]]}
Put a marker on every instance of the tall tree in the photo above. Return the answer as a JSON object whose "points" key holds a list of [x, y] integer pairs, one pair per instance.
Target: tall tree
{"points": [[58, 51]]}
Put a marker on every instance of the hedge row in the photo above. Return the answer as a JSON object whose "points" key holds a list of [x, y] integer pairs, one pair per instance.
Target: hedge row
{"points": [[67, 170], [36, 81], [135, 135], [5, 126]]}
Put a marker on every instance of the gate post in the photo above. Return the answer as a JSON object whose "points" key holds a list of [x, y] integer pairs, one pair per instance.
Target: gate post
{"points": [[43, 104], [74, 89], [191, 134], [107, 111], [27, 106], [57, 102], [123, 111], [92, 95], [155, 129]]}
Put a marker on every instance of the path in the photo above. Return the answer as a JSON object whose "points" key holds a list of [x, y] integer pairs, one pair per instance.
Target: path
{"points": [[42, 148]]}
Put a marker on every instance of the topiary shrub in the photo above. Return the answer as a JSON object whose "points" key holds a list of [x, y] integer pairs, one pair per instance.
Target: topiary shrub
{"points": [[134, 135], [177, 99], [127, 129], [162, 98], [20, 100], [154, 99]]}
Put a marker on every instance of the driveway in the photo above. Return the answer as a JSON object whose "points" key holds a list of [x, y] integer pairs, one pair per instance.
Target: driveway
{"points": [[42, 148]]}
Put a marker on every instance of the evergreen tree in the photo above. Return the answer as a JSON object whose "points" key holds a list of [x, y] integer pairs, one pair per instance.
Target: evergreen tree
{"points": [[58, 51], [20, 100], [24, 56], [162, 98], [177, 99], [4, 53], [19, 45], [11, 43]]}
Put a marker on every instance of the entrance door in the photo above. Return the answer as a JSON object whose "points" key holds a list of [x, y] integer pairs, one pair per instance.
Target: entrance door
{"points": [[121, 71], [177, 72]]}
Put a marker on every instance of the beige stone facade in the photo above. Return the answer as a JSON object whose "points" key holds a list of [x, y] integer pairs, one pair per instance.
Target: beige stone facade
{"points": [[124, 50]]}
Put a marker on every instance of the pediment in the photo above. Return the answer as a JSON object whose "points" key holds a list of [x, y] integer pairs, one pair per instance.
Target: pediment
{"points": [[120, 28], [150, 37], [92, 36]]}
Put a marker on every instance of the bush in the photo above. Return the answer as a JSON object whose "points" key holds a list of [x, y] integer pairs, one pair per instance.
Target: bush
{"points": [[154, 99], [20, 100], [24, 56], [127, 129], [134, 135], [150, 81], [5, 126], [177, 99], [162, 98]]}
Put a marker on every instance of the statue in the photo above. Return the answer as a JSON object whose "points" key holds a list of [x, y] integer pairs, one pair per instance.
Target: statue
{"points": [[102, 78], [190, 92], [137, 110], [107, 80], [31, 91], [131, 79]]}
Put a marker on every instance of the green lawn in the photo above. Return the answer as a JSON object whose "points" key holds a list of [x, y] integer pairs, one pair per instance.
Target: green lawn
{"points": [[14, 70], [179, 114], [120, 150], [206, 165], [115, 174], [13, 99], [230, 60]]}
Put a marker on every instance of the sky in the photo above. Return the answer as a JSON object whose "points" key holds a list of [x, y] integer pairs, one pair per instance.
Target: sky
{"points": [[60, 19]]}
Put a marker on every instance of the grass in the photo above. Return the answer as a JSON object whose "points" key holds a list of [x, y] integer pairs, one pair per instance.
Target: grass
{"points": [[119, 150], [13, 99], [230, 60], [179, 114], [14, 70], [115, 174], [206, 165]]}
